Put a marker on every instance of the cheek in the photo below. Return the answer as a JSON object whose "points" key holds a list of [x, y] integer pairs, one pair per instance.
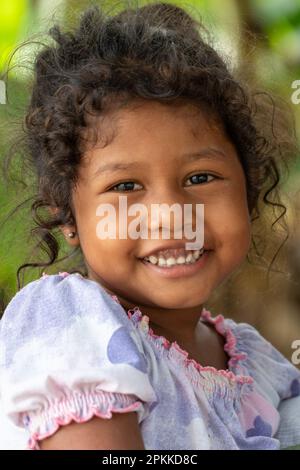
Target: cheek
{"points": [[237, 237], [113, 251], [230, 222], [104, 255]]}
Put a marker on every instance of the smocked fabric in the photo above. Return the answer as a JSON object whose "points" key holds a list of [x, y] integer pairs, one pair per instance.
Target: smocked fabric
{"points": [[69, 351]]}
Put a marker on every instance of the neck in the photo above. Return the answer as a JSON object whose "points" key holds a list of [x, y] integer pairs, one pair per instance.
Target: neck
{"points": [[179, 323]]}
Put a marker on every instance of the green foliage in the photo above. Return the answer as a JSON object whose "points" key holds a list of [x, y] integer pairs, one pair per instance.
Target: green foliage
{"points": [[276, 20], [14, 19]]}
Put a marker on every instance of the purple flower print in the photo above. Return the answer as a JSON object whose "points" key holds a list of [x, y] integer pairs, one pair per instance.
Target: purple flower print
{"points": [[261, 428], [122, 349], [295, 388]]}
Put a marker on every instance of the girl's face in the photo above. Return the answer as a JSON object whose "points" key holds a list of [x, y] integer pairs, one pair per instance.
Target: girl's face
{"points": [[149, 153]]}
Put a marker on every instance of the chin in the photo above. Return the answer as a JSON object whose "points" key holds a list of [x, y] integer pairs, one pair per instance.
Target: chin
{"points": [[179, 302]]}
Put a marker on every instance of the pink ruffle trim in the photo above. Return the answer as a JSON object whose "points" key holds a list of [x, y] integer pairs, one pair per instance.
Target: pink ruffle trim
{"points": [[61, 273], [224, 330], [80, 409], [179, 355]]}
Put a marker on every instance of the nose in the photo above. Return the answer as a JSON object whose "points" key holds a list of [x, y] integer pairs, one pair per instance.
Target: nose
{"points": [[167, 194], [173, 212]]}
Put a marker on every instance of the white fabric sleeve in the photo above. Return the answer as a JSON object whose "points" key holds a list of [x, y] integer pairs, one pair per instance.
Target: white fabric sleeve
{"points": [[68, 351]]}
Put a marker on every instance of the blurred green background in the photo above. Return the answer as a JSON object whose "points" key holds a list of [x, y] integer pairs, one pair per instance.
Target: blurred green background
{"points": [[267, 34]]}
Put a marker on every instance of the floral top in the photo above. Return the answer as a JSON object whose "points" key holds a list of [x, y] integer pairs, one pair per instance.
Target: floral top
{"points": [[69, 351]]}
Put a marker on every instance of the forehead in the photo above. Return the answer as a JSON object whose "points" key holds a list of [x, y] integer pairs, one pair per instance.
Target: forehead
{"points": [[142, 128], [142, 122]]}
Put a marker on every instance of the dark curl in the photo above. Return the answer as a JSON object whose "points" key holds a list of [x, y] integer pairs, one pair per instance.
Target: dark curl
{"points": [[154, 52]]}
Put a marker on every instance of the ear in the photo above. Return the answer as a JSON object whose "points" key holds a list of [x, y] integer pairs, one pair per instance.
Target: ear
{"points": [[67, 229]]}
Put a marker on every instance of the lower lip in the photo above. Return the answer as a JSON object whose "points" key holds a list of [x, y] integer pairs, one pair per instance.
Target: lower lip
{"points": [[180, 270]]}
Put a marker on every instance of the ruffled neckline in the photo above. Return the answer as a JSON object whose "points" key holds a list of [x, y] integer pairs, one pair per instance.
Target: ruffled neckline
{"points": [[181, 357]]}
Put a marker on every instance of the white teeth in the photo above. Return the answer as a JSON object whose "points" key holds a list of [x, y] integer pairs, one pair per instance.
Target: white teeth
{"points": [[190, 258], [161, 261]]}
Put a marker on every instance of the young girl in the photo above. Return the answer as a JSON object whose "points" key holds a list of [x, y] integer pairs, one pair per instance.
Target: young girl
{"points": [[124, 355]]}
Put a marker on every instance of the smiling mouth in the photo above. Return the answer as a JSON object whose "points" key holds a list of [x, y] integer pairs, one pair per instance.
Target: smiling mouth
{"points": [[170, 258], [178, 268]]}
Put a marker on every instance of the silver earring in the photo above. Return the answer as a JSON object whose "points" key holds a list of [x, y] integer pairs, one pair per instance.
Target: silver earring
{"points": [[71, 234]]}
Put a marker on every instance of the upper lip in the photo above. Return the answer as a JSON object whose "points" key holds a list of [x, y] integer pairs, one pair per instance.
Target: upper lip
{"points": [[169, 246]]}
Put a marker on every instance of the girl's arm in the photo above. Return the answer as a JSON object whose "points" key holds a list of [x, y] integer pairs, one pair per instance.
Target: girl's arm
{"points": [[120, 432]]}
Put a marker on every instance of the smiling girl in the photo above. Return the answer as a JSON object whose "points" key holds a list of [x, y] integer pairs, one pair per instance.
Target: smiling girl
{"points": [[124, 354]]}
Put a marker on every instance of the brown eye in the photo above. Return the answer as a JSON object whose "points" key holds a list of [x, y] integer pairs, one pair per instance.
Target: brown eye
{"points": [[125, 186], [200, 178]]}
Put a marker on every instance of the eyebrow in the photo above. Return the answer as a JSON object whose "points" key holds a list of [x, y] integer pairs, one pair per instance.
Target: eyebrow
{"points": [[207, 153]]}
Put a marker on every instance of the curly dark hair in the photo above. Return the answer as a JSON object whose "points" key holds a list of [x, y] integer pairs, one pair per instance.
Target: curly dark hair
{"points": [[157, 51]]}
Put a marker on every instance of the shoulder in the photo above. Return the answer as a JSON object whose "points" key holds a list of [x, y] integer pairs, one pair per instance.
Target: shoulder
{"points": [[56, 307], [275, 374], [68, 351], [60, 298], [249, 339]]}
